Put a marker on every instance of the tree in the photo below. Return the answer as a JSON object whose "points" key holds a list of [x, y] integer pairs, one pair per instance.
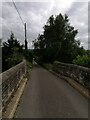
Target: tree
{"points": [[11, 53], [57, 41], [11, 44]]}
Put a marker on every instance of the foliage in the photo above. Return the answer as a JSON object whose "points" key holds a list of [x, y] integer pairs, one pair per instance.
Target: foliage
{"points": [[82, 60], [29, 65], [57, 41], [28, 54], [15, 58], [11, 53], [48, 66]]}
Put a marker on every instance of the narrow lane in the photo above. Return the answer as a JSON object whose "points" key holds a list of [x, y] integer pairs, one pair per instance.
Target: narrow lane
{"points": [[47, 96]]}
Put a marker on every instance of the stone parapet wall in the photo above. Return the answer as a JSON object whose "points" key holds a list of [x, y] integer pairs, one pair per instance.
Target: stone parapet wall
{"points": [[77, 73], [10, 81]]}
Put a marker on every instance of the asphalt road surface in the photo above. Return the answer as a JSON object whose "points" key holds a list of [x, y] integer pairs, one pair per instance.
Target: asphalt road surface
{"points": [[47, 96]]}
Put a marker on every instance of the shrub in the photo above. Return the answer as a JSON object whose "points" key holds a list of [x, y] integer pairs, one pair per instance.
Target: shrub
{"points": [[82, 60]]}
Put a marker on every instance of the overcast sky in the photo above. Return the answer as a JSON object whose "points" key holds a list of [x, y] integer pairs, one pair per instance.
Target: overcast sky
{"points": [[35, 14]]}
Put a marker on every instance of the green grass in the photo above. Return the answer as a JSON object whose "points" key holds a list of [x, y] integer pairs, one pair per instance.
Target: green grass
{"points": [[29, 65]]}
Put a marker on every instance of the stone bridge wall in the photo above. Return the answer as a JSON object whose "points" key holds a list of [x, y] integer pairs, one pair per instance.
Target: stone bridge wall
{"points": [[75, 72], [10, 81]]}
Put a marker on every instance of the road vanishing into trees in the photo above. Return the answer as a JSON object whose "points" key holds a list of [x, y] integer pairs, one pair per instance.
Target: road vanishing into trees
{"points": [[47, 96]]}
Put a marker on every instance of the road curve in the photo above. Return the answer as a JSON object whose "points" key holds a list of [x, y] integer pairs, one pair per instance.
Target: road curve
{"points": [[47, 96]]}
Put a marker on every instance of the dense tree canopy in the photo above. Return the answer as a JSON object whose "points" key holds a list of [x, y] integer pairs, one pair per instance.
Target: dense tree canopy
{"points": [[57, 41]]}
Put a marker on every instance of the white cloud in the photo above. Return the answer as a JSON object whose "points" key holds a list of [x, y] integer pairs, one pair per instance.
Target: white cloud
{"points": [[36, 13], [78, 15]]}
